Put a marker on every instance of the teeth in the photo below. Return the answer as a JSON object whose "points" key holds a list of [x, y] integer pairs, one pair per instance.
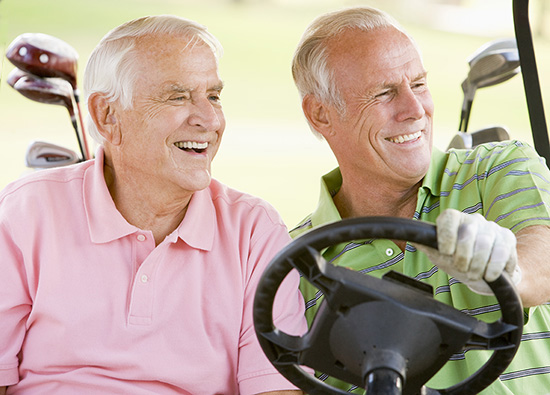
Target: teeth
{"points": [[191, 145], [405, 137]]}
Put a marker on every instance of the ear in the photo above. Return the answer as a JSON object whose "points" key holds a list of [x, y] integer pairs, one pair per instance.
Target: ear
{"points": [[318, 115], [105, 118]]}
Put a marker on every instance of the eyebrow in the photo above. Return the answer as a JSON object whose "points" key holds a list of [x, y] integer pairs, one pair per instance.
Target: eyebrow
{"points": [[390, 85], [178, 88], [218, 87], [420, 76], [181, 89]]}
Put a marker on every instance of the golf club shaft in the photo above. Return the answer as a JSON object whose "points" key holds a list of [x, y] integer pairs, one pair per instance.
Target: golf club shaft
{"points": [[82, 135], [465, 116], [81, 148]]}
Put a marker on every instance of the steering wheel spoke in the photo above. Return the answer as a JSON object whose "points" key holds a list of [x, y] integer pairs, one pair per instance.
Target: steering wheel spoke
{"points": [[313, 266], [492, 336]]}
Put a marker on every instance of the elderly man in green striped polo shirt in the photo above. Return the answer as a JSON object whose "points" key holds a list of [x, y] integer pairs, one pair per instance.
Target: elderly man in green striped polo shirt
{"points": [[364, 90]]}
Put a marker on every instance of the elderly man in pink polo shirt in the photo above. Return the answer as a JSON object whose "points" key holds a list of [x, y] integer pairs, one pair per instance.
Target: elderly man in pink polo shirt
{"points": [[135, 272]]}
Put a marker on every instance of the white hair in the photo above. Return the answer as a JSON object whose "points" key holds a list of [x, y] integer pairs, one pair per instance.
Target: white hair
{"points": [[310, 70], [110, 68]]}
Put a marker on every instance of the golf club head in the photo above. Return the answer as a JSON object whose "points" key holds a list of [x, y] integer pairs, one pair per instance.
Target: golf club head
{"points": [[487, 135], [43, 155], [493, 68], [495, 45], [45, 56], [14, 76], [50, 91], [493, 63]]}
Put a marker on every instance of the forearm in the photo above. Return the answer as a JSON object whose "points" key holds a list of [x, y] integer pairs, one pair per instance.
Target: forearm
{"points": [[533, 259], [3, 390]]}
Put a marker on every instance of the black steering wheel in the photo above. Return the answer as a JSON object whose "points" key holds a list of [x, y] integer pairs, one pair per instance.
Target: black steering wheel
{"points": [[365, 331]]}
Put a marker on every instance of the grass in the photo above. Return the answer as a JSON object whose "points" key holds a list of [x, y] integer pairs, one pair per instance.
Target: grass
{"points": [[268, 149]]}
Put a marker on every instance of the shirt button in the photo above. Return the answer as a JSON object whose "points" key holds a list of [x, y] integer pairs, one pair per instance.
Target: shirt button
{"points": [[144, 278], [389, 252], [141, 237]]}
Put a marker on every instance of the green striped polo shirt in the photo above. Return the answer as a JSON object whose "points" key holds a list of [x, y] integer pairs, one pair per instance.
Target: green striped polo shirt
{"points": [[505, 182]]}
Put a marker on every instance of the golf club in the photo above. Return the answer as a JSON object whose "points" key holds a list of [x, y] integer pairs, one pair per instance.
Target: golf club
{"points": [[491, 64], [47, 56], [50, 91], [469, 140], [42, 155], [14, 76]]}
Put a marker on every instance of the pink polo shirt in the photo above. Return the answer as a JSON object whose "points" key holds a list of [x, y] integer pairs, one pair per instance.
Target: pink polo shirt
{"points": [[89, 305]]}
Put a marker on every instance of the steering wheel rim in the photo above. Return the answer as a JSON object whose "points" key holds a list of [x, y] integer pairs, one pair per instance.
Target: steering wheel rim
{"points": [[284, 350]]}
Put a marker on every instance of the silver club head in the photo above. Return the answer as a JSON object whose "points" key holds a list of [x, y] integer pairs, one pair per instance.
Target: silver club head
{"points": [[464, 140], [42, 155], [493, 63]]}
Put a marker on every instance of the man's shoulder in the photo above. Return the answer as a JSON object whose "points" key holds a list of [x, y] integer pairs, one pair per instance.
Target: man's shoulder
{"points": [[490, 152], [482, 160], [41, 180], [236, 202], [326, 211], [304, 226]]}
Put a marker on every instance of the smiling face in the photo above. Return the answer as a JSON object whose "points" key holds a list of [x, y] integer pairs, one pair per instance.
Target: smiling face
{"points": [[385, 132], [172, 132]]}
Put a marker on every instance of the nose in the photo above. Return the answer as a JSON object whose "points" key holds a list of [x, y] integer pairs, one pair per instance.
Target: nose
{"points": [[206, 115], [410, 105]]}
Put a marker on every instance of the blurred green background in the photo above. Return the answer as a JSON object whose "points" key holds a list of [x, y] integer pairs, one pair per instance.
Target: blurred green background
{"points": [[268, 149]]}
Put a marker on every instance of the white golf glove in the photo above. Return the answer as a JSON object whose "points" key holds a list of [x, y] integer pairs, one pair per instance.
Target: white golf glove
{"points": [[472, 249]]}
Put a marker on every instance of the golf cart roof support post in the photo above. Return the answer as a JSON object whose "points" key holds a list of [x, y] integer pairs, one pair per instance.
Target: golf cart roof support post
{"points": [[531, 78]]}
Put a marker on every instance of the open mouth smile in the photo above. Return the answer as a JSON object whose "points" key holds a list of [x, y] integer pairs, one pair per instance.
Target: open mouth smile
{"points": [[404, 138], [191, 146]]}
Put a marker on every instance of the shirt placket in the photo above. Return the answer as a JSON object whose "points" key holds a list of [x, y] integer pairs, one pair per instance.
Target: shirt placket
{"points": [[144, 282]]}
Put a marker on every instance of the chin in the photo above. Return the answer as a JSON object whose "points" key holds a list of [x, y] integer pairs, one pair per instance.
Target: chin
{"points": [[196, 182]]}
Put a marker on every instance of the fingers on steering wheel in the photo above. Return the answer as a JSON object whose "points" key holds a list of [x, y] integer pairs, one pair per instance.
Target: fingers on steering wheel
{"points": [[487, 243], [467, 235], [448, 223], [512, 264], [503, 256], [480, 248]]}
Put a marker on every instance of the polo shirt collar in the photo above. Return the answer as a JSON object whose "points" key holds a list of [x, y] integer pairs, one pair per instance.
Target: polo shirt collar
{"points": [[104, 220], [326, 210], [331, 182], [199, 224], [434, 177], [106, 224]]}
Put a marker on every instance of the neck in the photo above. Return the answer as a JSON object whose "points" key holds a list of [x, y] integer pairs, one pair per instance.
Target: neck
{"points": [[145, 206], [362, 200]]}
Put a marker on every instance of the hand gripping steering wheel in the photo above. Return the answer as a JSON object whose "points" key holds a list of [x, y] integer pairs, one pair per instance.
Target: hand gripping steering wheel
{"points": [[366, 331]]}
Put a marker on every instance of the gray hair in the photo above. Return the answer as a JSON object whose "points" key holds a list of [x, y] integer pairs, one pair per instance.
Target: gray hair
{"points": [[110, 66], [310, 70]]}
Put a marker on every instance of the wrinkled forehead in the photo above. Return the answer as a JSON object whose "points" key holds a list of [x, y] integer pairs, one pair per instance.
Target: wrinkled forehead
{"points": [[174, 61], [359, 43], [173, 55], [362, 61], [170, 44], [379, 48]]}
